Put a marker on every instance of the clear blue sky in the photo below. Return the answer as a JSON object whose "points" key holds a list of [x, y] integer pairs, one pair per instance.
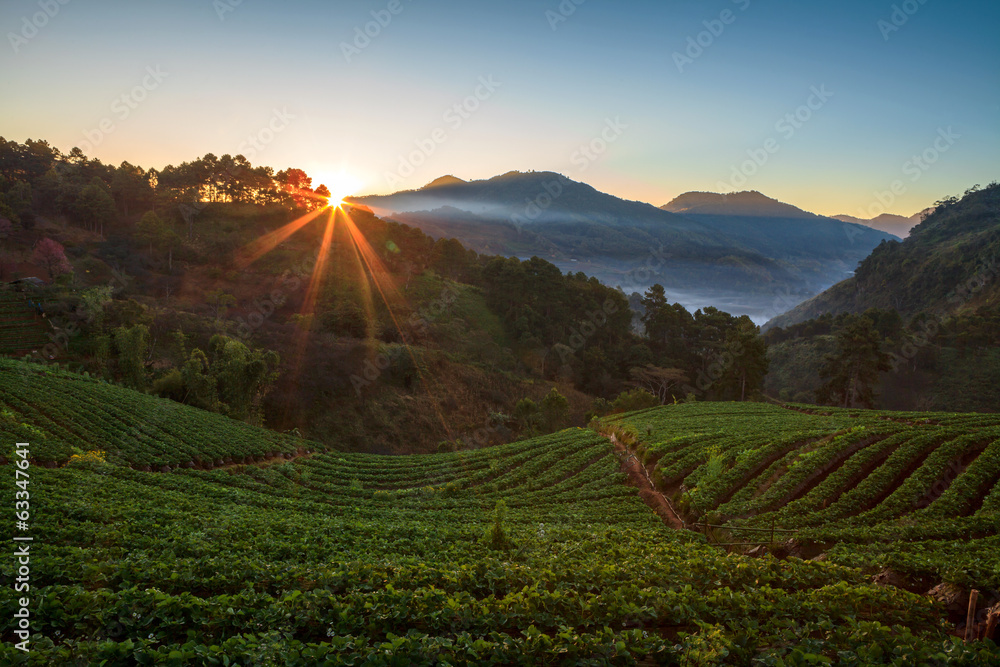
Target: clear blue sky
{"points": [[685, 128]]}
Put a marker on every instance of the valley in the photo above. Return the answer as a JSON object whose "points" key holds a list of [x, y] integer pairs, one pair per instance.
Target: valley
{"points": [[518, 334]]}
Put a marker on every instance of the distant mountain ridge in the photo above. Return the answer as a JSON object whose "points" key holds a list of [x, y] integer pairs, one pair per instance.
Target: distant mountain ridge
{"points": [[737, 252], [443, 180], [749, 203], [897, 225], [520, 198]]}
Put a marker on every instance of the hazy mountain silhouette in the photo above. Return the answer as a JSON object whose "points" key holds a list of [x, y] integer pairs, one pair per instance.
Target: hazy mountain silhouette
{"points": [[748, 204], [781, 231], [897, 225], [745, 253]]}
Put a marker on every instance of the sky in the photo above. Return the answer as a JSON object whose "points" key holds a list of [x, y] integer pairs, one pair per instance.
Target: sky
{"points": [[856, 106]]}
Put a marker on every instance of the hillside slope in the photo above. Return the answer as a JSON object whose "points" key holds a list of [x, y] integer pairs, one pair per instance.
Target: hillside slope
{"points": [[947, 265], [750, 204], [21, 331], [58, 411], [415, 560]]}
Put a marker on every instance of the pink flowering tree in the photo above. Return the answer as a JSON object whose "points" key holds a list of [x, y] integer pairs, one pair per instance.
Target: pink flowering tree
{"points": [[52, 256]]}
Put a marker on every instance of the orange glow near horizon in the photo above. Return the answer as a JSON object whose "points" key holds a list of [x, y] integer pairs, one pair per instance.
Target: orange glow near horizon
{"points": [[340, 183]]}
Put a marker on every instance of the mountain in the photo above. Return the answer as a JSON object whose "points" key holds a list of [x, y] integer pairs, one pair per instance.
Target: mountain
{"points": [[897, 225], [948, 264], [781, 231], [743, 253], [744, 204], [524, 199], [444, 180]]}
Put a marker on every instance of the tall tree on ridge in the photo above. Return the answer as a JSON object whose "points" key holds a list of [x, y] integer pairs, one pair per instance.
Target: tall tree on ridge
{"points": [[852, 372]]}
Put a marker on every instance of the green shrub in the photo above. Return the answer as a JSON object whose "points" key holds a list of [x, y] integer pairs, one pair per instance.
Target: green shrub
{"points": [[636, 399], [496, 537]]}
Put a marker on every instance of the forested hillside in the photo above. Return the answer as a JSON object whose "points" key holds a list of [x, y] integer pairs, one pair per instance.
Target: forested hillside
{"points": [[917, 328], [242, 291], [947, 265]]}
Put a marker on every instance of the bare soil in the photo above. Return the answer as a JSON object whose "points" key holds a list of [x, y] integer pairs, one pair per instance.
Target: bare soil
{"points": [[640, 478]]}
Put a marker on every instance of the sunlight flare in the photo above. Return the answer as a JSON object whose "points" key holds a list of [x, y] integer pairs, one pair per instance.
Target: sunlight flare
{"points": [[308, 307], [257, 248]]}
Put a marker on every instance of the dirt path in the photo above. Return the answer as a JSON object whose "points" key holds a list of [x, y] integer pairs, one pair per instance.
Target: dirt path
{"points": [[639, 476]]}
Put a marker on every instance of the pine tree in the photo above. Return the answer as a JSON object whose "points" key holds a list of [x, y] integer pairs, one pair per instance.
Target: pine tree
{"points": [[852, 372]]}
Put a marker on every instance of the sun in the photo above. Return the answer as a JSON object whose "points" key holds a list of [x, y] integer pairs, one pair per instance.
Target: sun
{"points": [[340, 184]]}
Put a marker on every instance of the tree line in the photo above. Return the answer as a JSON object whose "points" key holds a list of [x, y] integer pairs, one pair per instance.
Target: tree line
{"points": [[35, 176]]}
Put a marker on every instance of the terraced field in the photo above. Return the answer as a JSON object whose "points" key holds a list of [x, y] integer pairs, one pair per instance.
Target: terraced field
{"points": [[56, 411], [535, 552], [918, 492], [19, 332]]}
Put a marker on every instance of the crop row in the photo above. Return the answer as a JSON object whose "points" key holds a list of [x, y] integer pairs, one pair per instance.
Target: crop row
{"points": [[971, 485], [919, 482], [802, 511], [133, 561], [69, 411], [801, 466]]}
